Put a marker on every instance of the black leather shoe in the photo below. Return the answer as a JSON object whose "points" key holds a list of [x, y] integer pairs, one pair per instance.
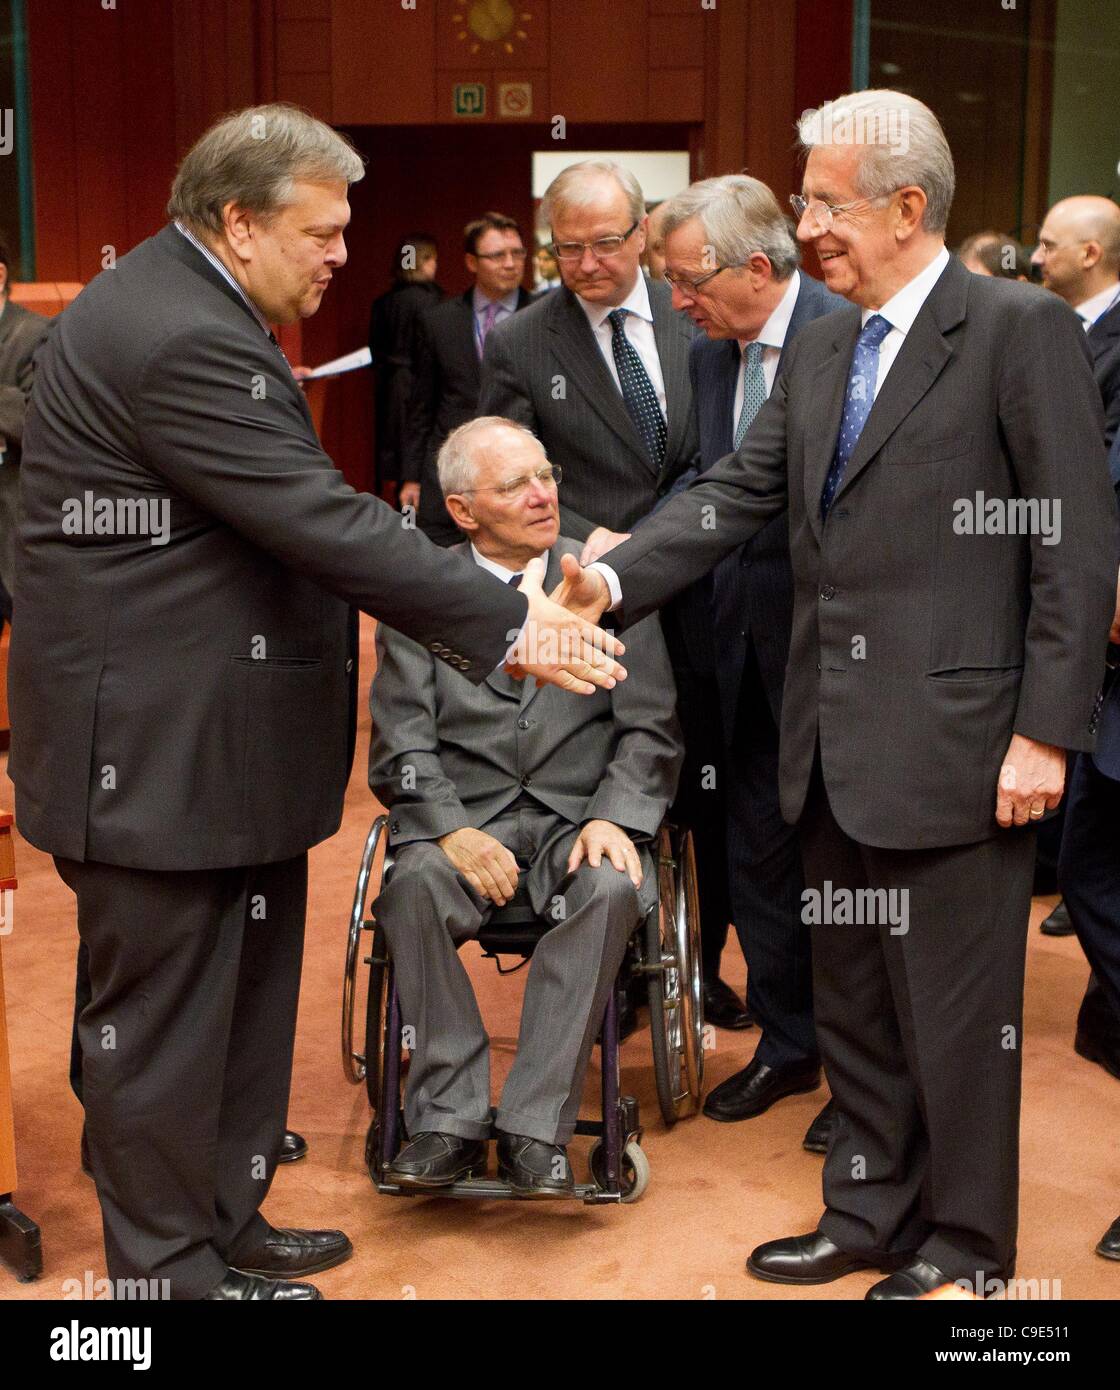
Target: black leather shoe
{"points": [[433, 1159], [251, 1288], [811, 1259], [911, 1281], [293, 1147], [1109, 1245], [533, 1168], [83, 1153], [819, 1134], [1094, 1050], [756, 1088], [286, 1254], [1058, 923], [723, 1007]]}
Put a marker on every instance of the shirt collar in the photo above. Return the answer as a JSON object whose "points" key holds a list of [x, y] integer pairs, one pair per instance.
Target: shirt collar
{"points": [[482, 302], [636, 302], [224, 273], [1091, 309], [505, 575], [773, 332], [902, 308]]}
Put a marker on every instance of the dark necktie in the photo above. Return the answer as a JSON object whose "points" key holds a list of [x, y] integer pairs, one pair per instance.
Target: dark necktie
{"points": [[859, 397], [515, 579], [637, 390]]}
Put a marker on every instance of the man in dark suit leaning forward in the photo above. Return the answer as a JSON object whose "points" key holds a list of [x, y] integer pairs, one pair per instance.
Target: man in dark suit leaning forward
{"points": [[183, 686], [494, 784], [952, 534], [732, 260]]}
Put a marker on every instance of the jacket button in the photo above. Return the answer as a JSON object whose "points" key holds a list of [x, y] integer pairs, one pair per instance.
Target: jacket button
{"points": [[522, 723], [818, 665], [349, 664], [827, 592], [526, 781], [394, 826], [464, 664]]}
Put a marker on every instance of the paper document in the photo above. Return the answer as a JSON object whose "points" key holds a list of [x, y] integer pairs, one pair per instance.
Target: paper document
{"points": [[351, 362]]}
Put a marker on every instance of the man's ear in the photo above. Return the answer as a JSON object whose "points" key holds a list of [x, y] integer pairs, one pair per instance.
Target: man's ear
{"points": [[911, 208], [460, 512], [237, 222]]}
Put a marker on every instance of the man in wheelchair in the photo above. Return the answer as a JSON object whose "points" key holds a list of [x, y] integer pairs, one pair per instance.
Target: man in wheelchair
{"points": [[502, 787]]}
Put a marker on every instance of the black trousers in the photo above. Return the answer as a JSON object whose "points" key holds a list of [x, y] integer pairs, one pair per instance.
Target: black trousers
{"points": [[920, 1032], [186, 1045], [1089, 878], [766, 883]]}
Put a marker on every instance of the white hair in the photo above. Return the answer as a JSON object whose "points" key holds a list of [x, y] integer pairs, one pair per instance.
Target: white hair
{"points": [[580, 185], [903, 145], [740, 217], [460, 453]]}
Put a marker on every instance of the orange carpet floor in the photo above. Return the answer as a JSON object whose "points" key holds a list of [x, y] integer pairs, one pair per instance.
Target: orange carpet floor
{"points": [[716, 1189]]}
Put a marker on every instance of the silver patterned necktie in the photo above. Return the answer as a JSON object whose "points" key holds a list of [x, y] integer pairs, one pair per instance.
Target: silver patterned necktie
{"points": [[754, 390]]}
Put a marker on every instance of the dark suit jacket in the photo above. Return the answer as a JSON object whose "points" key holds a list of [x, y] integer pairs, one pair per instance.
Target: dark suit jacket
{"points": [[393, 322], [752, 592], [447, 375], [544, 369], [190, 705], [614, 755], [916, 650], [1104, 344], [21, 332]]}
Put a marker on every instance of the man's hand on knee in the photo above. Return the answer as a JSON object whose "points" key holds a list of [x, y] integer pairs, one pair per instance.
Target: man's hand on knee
{"points": [[599, 837], [484, 862]]}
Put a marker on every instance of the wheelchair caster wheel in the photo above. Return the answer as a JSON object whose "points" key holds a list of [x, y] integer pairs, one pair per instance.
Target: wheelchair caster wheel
{"points": [[634, 1178]]}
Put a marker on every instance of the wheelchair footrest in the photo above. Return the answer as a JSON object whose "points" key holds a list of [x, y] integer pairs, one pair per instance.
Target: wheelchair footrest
{"points": [[476, 1188]]}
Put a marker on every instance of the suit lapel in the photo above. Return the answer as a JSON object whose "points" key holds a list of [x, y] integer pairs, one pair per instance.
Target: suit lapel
{"points": [[723, 365], [581, 360], [920, 362], [673, 339], [827, 394]]}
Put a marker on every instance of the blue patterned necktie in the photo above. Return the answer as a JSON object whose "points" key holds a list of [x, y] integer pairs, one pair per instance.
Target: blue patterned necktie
{"points": [[859, 397], [754, 391], [637, 390]]}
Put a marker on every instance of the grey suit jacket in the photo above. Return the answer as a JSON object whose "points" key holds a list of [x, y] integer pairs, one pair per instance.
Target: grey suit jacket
{"points": [[191, 704], [543, 368], [918, 649], [445, 754], [21, 332]]}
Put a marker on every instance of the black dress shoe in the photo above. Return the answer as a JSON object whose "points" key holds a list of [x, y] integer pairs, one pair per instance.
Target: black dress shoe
{"points": [[723, 1007], [433, 1159], [251, 1288], [83, 1153], [286, 1254], [293, 1147], [1094, 1050], [756, 1088], [911, 1281], [1109, 1245], [1058, 923], [819, 1134], [811, 1259], [533, 1168]]}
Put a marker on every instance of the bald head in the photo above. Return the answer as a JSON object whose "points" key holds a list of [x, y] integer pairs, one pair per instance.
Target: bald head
{"points": [[1079, 247]]}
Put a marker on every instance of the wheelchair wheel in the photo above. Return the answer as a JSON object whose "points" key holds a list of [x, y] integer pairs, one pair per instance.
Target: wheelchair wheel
{"points": [[354, 1064], [635, 1169], [672, 963]]}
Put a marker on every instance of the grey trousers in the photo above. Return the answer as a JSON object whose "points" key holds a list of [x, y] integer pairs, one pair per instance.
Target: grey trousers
{"points": [[428, 909]]}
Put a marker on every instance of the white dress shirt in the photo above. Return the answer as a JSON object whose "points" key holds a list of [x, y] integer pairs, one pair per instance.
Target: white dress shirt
{"points": [[499, 571], [900, 311], [772, 336], [639, 330], [1091, 309]]}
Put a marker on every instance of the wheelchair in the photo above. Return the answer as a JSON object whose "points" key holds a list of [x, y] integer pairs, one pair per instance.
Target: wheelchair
{"points": [[661, 970]]}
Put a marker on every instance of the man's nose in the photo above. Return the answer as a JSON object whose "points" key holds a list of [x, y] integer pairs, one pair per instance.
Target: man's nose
{"points": [[1038, 255], [588, 261], [336, 251], [806, 229], [681, 298]]}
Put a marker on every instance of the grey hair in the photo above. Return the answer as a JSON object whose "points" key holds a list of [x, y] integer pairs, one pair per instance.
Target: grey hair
{"points": [[740, 217], [903, 145], [455, 462], [578, 186], [254, 157]]}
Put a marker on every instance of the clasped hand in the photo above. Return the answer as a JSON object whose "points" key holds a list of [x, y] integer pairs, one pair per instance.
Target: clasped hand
{"points": [[492, 871]]}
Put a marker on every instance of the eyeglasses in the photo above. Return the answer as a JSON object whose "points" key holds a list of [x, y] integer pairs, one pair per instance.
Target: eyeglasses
{"points": [[693, 287], [509, 255], [821, 213], [602, 249], [549, 474]]}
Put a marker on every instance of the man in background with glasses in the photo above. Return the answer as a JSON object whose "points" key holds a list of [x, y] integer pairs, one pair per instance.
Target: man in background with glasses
{"points": [[506, 785], [598, 370], [450, 340], [939, 667]]}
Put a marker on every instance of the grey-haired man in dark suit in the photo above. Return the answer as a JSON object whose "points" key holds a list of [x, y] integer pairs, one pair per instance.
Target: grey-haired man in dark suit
{"points": [[498, 783]]}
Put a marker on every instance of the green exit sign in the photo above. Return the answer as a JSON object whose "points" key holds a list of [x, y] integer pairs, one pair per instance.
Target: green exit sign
{"points": [[470, 99]]}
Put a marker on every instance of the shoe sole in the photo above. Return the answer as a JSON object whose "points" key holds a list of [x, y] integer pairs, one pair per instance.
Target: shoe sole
{"points": [[792, 1279], [427, 1185], [1107, 1254], [288, 1276], [545, 1193], [761, 1110], [815, 1148]]}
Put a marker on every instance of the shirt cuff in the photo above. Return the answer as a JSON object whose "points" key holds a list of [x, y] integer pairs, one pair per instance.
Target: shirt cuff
{"points": [[612, 583]]}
